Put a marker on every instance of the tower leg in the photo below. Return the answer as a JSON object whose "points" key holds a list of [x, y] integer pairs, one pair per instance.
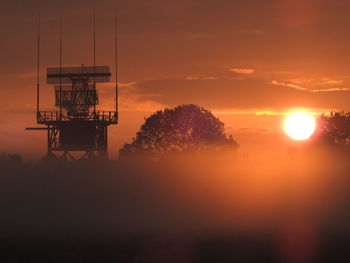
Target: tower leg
{"points": [[55, 144], [102, 142], [52, 133]]}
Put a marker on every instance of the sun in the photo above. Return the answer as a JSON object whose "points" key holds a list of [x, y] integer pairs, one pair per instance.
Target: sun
{"points": [[300, 126]]}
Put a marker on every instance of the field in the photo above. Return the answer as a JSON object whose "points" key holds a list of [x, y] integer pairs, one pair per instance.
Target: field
{"points": [[178, 209]]}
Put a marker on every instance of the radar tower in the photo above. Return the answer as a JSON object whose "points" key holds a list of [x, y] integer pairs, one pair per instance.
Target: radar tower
{"points": [[77, 125]]}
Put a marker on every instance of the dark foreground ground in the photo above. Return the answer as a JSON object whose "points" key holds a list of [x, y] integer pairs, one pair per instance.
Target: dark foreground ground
{"points": [[193, 209], [172, 248], [164, 249]]}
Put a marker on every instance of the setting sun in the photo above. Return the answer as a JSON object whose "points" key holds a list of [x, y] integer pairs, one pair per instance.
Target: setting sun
{"points": [[300, 126]]}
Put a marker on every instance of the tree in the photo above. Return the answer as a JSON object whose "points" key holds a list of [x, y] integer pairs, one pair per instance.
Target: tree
{"points": [[184, 128], [334, 129], [11, 158]]}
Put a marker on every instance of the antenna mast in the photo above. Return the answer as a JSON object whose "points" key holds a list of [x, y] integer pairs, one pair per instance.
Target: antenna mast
{"points": [[60, 62], [37, 73], [116, 65], [94, 21]]}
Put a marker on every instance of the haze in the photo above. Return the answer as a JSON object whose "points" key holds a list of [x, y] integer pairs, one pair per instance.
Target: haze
{"points": [[248, 62]]}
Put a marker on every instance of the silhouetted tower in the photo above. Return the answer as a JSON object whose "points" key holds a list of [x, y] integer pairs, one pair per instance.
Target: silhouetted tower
{"points": [[76, 125]]}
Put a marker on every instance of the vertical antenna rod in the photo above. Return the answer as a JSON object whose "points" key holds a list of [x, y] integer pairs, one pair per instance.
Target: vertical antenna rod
{"points": [[94, 21], [60, 66], [37, 72], [116, 66]]}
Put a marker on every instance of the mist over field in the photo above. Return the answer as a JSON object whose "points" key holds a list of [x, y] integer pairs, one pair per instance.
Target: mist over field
{"points": [[227, 126], [183, 202]]}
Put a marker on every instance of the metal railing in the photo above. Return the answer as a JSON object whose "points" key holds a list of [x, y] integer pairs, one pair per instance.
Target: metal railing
{"points": [[52, 117]]}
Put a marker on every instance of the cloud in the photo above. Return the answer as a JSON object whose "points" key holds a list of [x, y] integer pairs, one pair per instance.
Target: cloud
{"points": [[317, 82], [328, 81], [313, 85], [129, 98], [244, 71], [251, 95], [200, 78], [289, 85], [269, 112], [195, 36], [257, 112], [253, 130], [330, 90], [126, 84]]}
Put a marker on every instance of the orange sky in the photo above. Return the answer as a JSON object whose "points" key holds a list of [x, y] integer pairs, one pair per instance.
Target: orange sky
{"points": [[248, 61]]}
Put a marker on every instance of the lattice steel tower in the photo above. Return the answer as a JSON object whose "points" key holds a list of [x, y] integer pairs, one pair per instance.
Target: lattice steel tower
{"points": [[76, 125]]}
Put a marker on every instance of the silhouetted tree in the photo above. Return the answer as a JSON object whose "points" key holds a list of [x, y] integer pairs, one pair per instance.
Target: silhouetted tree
{"points": [[10, 161], [184, 128], [334, 129], [14, 158], [11, 158]]}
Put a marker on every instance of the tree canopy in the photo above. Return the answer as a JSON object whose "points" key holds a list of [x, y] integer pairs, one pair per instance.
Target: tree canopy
{"points": [[184, 128], [334, 129]]}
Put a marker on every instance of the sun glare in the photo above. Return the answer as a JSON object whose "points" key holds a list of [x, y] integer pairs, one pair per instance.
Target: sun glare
{"points": [[300, 126]]}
